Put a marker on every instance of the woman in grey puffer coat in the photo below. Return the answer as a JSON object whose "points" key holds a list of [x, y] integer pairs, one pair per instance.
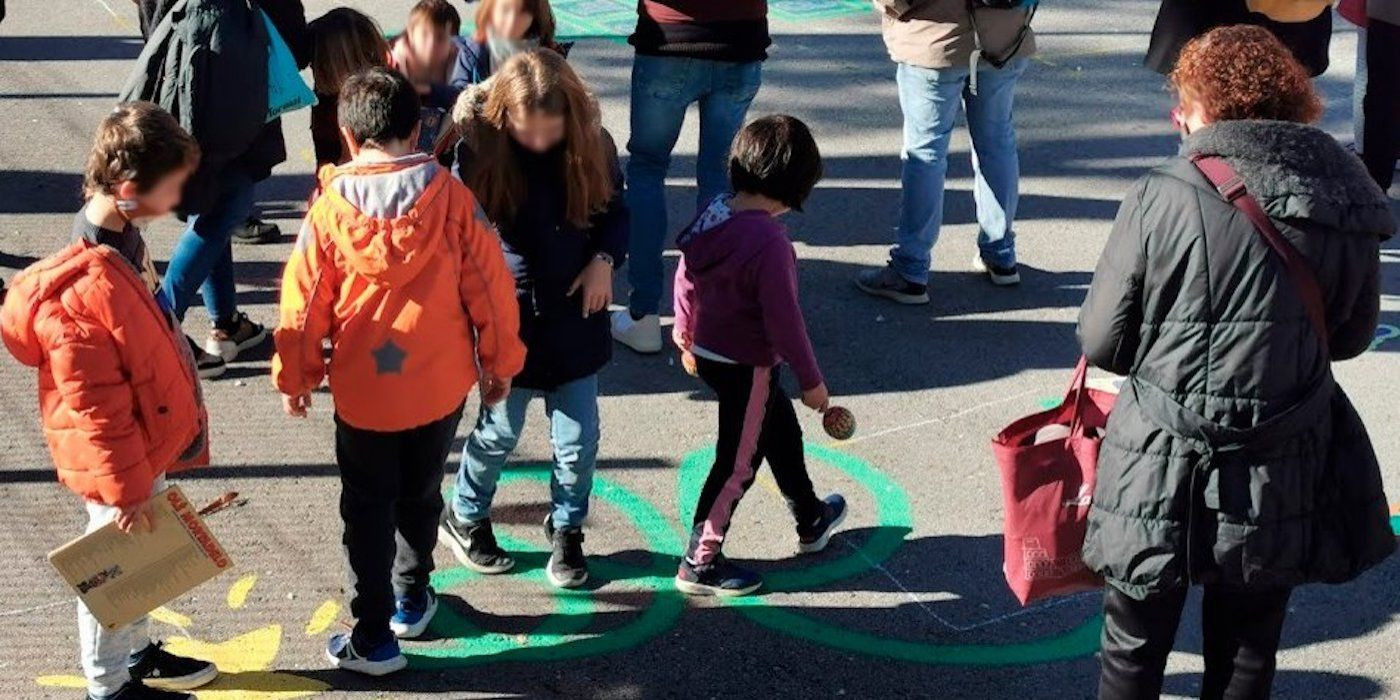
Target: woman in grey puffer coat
{"points": [[1232, 459]]}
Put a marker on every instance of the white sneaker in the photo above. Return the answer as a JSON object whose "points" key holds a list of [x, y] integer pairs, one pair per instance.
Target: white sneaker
{"points": [[642, 335]]}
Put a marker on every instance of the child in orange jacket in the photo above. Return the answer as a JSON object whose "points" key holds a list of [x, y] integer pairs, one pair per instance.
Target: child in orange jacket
{"points": [[398, 267], [118, 395]]}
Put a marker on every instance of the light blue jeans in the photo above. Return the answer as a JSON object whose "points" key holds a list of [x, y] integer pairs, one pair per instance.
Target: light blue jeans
{"points": [[572, 410], [663, 88], [930, 100], [203, 256]]}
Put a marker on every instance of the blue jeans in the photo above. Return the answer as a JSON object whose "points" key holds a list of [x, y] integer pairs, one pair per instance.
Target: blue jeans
{"points": [[930, 100], [203, 257], [572, 409], [663, 88]]}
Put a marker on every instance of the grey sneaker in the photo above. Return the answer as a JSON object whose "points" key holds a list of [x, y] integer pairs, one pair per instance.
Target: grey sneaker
{"points": [[885, 282], [1000, 276]]}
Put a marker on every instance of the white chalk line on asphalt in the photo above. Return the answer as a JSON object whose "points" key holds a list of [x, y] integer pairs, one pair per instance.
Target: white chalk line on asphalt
{"points": [[838, 444], [36, 608]]}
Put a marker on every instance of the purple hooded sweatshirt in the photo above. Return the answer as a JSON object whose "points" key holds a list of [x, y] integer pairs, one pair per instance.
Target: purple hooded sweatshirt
{"points": [[736, 292]]}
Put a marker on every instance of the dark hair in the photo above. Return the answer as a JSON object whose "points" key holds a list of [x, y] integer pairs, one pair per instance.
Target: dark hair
{"points": [[343, 41], [139, 142], [1245, 72], [440, 13], [378, 106], [776, 156]]}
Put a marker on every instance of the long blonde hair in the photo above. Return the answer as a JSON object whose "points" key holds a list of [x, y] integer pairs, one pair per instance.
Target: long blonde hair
{"points": [[541, 81]]}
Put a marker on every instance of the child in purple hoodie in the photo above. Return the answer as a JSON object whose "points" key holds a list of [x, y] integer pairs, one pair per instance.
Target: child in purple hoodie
{"points": [[737, 319]]}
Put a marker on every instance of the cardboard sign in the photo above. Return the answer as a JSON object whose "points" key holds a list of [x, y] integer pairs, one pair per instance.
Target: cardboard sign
{"points": [[121, 576]]}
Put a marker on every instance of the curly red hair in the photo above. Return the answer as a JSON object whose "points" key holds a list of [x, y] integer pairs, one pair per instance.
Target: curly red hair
{"points": [[1245, 72]]}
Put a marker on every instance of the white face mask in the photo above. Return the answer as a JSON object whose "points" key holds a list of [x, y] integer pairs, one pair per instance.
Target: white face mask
{"points": [[502, 49]]}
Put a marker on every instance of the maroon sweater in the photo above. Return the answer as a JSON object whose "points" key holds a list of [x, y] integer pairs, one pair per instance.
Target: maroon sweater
{"points": [[719, 30]]}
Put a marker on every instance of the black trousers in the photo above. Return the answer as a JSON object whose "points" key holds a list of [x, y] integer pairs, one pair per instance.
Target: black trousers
{"points": [[390, 503], [1241, 630], [1382, 103], [756, 422]]}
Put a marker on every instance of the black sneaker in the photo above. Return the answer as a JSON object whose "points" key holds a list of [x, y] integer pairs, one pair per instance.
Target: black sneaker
{"points": [[162, 670], [256, 232], [136, 690], [1000, 276], [885, 282], [205, 365], [720, 577], [814, 536], [474, 544], [567, 567], [234, 336]]}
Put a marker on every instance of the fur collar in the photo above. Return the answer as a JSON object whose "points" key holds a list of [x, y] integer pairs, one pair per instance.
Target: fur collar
{"points": [[1297, 171]]}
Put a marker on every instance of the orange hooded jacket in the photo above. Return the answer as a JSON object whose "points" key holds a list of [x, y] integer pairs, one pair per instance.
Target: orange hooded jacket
{"points": [[397, 265], [118, 397]]}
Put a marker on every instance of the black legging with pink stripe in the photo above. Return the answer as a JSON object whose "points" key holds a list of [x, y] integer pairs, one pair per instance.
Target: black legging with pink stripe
{"points": [[756, 422]]}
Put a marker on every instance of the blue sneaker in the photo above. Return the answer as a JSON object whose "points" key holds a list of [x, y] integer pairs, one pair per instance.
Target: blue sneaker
{"points": [[411, 617], [814, 536], [380, 661]]}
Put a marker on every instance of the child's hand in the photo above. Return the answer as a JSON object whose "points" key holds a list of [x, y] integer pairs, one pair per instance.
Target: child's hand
{"points": [[493, 389], [688, 362], [596, 283], [296, 406], [816, 398], [138, 518]]}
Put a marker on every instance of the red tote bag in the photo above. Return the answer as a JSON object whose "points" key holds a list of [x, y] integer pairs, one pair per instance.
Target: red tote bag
{"points": [[1046, 492]]}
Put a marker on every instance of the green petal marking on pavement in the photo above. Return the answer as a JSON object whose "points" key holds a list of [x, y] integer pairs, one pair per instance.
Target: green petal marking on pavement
{"points": [[560, 635], [894, 519]]}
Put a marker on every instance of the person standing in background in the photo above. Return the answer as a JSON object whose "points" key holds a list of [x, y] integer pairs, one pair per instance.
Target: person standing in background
{"points": [[1379, 142], [703, 52], [952, 57]]}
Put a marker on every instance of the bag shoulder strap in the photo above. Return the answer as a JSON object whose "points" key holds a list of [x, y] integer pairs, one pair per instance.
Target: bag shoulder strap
{"points": [[1231, 186]]}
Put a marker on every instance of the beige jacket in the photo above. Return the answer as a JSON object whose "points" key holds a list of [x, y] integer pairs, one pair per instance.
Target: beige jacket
{"points": [[938, 33]]}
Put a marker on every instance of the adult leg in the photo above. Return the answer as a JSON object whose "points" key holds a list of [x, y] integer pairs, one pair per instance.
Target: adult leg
{"points": [[202, 257], [781, 444], [995, 160], [1241, 634], [930, 100], [662, 90], [487, 448], [743, 399], [573, 431], [1382, 105], [1137, 637], [722, 111], [1358, 94], [419, 506], [370, 466]]}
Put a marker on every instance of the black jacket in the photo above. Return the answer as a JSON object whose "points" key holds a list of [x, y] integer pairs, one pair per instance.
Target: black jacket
{"points": [[205, 62], [1231, 454], [1180, 21], [545, 254]]}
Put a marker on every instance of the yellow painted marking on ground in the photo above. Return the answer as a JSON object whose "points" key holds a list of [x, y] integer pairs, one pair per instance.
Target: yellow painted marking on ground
{"points": [[170, 617], [238, 592], [261, 685], [252, 651], [323, 618], [61, 681]]}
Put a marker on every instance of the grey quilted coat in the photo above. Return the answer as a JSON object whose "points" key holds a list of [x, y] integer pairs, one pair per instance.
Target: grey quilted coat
{"points": [[1232, 456]]}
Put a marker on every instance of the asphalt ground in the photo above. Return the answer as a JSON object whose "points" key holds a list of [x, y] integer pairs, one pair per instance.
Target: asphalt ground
{"points": [[908, 602]]}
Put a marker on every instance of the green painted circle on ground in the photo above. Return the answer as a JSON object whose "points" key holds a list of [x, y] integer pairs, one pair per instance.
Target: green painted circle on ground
{"points": [[561, 635], [894, 521]]}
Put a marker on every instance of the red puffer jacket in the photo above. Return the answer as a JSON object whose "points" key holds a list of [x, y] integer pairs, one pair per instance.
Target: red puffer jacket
{"points": [[118, 396]]}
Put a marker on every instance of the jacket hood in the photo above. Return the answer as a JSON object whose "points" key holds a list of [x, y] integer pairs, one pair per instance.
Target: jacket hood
{"points": [[40, 282], [720, 235], [383, 216], [1297, 171]]}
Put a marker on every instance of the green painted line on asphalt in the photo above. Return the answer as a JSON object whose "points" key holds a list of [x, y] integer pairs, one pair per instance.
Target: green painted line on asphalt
{"points": [[561, 635], [895, 521], [1395, 524]]}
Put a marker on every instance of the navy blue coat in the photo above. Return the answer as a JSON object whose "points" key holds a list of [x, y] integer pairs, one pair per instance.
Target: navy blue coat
{"points": [[545, 254]]}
